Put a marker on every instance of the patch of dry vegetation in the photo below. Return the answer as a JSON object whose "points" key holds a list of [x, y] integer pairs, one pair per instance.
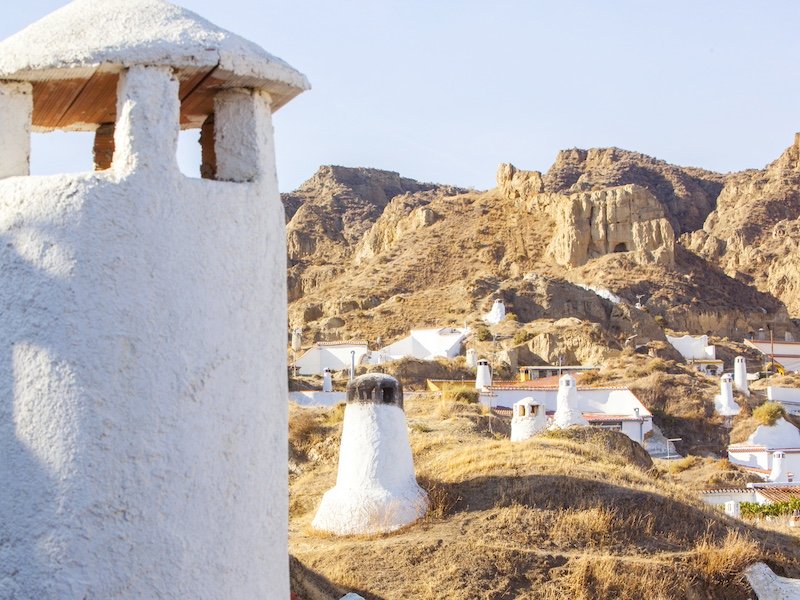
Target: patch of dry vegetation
{"points": [[559, 516], [414, 372], [696, 473], [768, 413]]}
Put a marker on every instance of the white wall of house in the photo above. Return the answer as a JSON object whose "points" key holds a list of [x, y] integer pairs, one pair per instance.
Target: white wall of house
{"points": [[789, 398], [426, 344], [717, 498], [786, 353], [757, 450], [336, 357], [693, 346], [603, 401]]}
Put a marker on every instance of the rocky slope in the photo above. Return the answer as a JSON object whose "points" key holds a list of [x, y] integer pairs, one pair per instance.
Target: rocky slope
{"points": [[754, 232], [373, 254], [687, 194], [329, 214]]}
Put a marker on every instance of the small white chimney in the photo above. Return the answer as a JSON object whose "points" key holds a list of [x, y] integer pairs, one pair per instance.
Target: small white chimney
{"points": [[529, 419], [483, 377], [327, 381], [724, 404], [779, 472], [472, 358], [567, 411], [496, 314], [297, 339], [740, 375]]}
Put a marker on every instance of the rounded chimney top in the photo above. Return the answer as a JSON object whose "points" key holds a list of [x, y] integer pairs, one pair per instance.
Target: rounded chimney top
{"points": [[375, 388]]}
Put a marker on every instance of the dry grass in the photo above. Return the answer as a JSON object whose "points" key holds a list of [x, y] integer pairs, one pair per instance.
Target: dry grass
{"points": [[303, 428], [589, 527], [591, 577], [698, 473], [441, 498], [553, 517], [768, 413], [678, 466], [742, 428], [718, 560]]}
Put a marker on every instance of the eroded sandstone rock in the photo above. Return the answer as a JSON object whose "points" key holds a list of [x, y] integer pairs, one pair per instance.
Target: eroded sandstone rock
{"points": [[621, 219]]}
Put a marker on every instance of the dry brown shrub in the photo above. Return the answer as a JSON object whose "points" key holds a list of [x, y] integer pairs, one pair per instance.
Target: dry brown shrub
{"points": [[591, 577], [680, 465], [468, 396], [303, 425], [593, 526], [335, 414], [441, 497], [719, 560], [768, 413], [590, 377], [445, 409]]}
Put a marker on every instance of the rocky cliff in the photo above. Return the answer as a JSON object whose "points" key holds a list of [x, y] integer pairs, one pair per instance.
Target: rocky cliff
{"points": [[687, 194], [374, 254], [330, 213], [618, 219], [754, 232]]}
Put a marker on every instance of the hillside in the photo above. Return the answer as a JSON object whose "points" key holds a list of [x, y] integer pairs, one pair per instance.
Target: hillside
{"points": [[754, 232], [330, 213], [688, 194], [588, 273], [596, 260], [582, 514], [372, 254]]}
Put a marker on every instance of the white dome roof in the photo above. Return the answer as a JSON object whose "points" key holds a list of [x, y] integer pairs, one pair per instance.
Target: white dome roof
{"points": [[93, 33], [74, 56]]}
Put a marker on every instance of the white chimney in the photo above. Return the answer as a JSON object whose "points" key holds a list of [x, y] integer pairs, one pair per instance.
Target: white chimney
{"points": [[740, 375], [567, 412], [376, 489], [472, 358], [297, 339], [529, 419], [327, 381], [143, 333], [483, 377], [724, 404], [779, 472], [496, 314]]}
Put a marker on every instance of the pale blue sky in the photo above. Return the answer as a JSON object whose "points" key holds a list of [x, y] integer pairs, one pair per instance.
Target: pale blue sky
{"points": [[444, 90]]}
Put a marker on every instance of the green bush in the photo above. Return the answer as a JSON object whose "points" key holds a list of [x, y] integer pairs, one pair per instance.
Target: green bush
{"points": [[510, 316], [768, 413], [483, 334], [753, 509]]}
